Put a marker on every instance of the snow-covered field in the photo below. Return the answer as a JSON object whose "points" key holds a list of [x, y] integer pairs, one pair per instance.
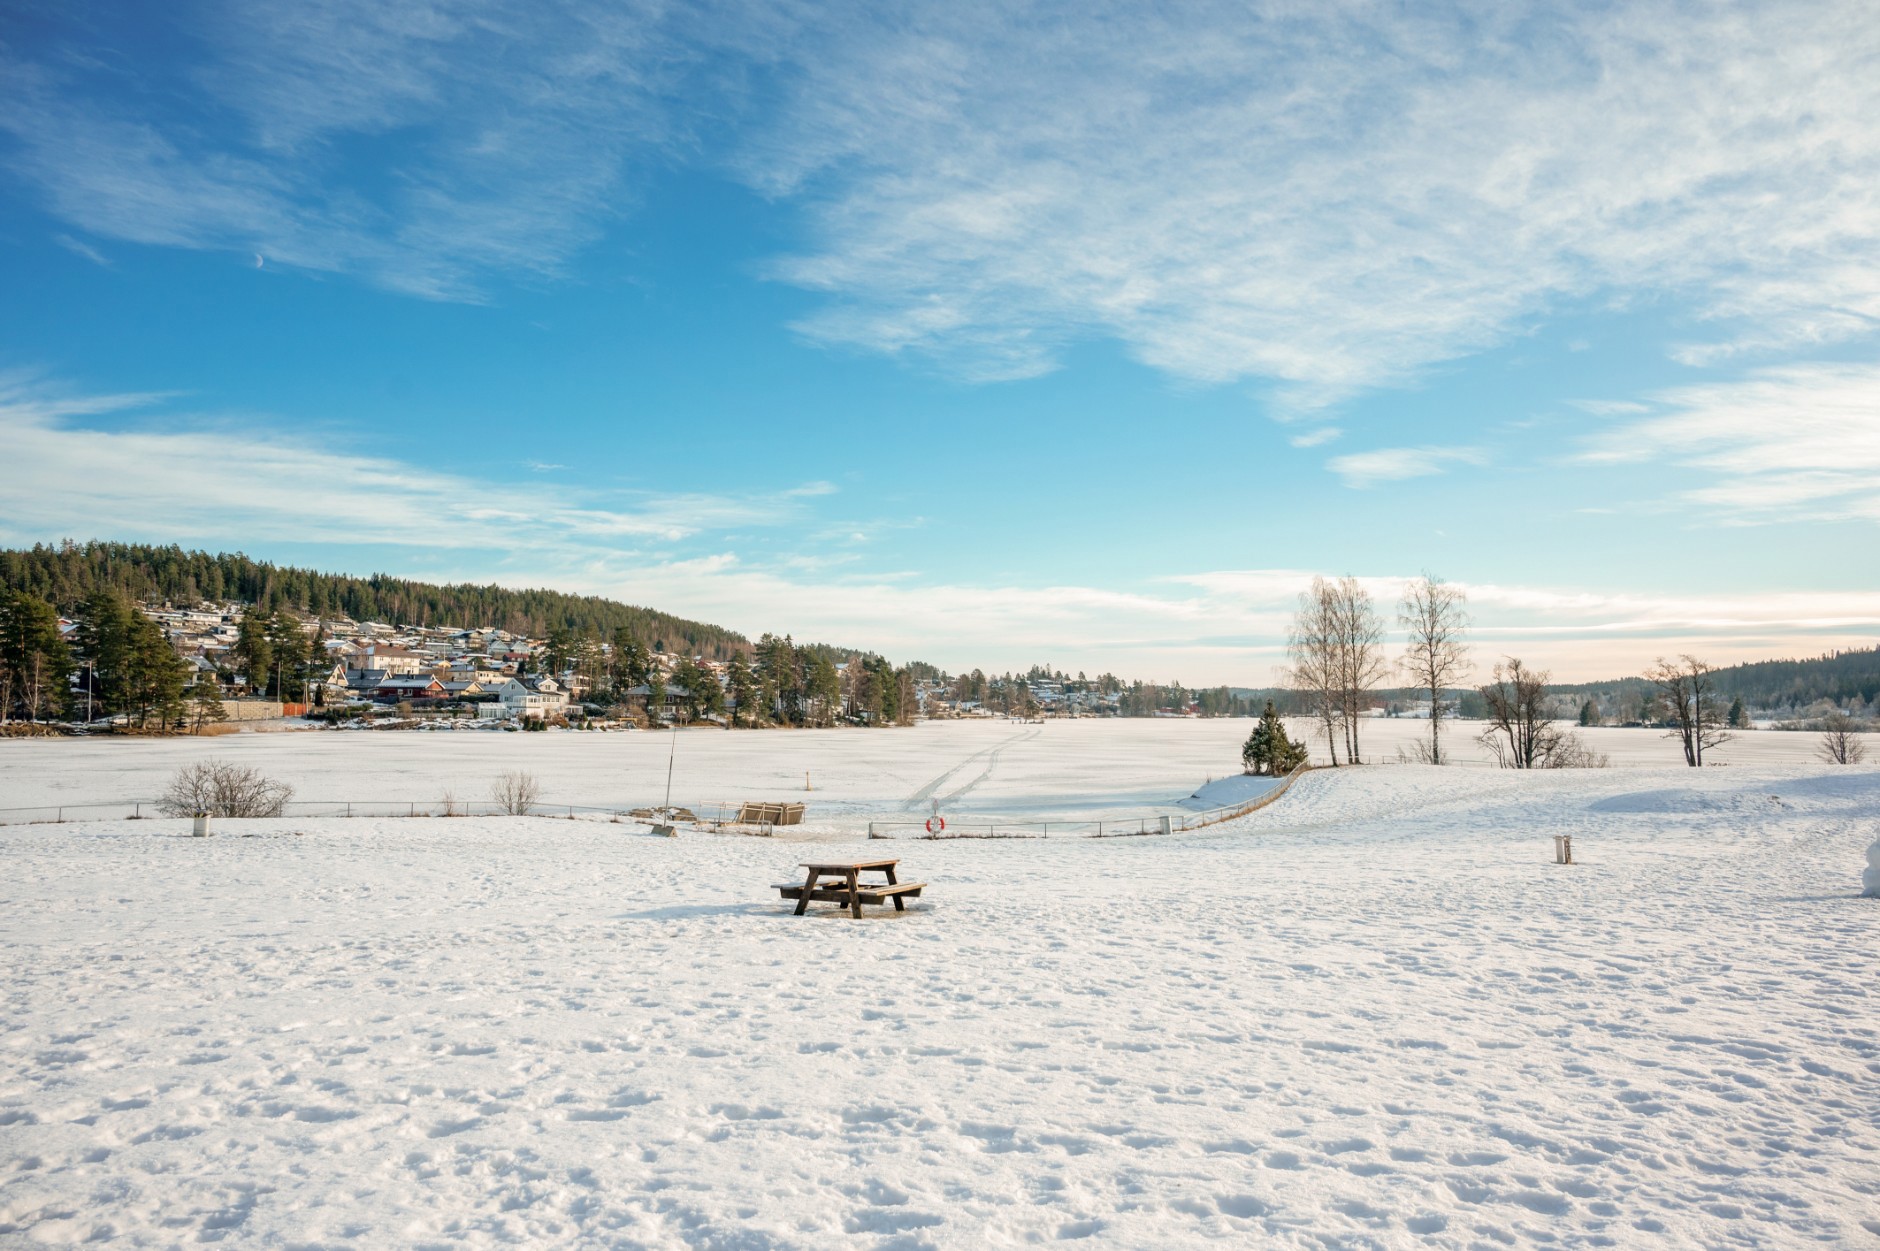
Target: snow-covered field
{"points": [[1373, 1014]]}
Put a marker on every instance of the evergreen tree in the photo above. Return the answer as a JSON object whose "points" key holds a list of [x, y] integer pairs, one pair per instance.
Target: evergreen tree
{"points": [[205, 703], [631, 661], [287, 649], [35, 663], [104, 641], [1268, 750], [1739, 715], [1589, 713], [825, 689], [254, 650], [155, 677], [742, 688], [779, 668], [702, 693]]}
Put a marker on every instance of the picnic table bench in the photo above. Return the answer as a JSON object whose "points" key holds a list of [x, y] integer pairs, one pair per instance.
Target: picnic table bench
{"points": [[850, 890]]}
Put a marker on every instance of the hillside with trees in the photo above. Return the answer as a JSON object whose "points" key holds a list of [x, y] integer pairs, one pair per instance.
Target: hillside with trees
{"points": [[69, 574]]}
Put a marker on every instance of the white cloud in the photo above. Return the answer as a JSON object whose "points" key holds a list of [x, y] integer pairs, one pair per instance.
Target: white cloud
{"points": [[1797, 442], [208, 479], [1312, 438], [78, 247], [1327, 196], [1392, 464], [230, 485], [426, 148], [1334, 195]]}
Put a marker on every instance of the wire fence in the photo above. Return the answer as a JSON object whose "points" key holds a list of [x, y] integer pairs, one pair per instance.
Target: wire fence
{"points": [[714, 812], [717, 813]]}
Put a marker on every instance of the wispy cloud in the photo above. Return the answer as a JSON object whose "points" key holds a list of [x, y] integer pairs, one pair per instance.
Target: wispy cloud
{"points": [[1392, 464], [78, 247], [219, 483], [505, 135], [1332, 197], [1329, 198], [1313, 438], [1784, 443], [207, 478]]}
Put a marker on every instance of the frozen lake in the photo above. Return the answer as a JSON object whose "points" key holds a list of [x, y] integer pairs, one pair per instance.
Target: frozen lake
{"points": [[1060, 770]]}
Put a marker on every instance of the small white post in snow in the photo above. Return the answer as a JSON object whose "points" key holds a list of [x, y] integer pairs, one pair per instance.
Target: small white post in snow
{"points": [[1870, 880], [1563, 849], [201, 827]]}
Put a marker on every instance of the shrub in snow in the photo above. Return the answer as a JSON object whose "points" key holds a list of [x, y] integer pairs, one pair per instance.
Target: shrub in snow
{"points": [[1840, 739], [515, 793], [222, 789]]}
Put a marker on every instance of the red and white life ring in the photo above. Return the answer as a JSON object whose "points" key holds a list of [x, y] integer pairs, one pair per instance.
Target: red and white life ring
{"points": [[933, 822]]}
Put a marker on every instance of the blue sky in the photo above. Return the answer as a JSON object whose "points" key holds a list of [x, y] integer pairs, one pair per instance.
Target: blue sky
{"points": [[988, 334]]}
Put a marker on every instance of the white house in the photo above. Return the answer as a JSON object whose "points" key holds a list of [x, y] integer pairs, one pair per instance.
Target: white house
{"points": [[389, 657], [541, 698]]}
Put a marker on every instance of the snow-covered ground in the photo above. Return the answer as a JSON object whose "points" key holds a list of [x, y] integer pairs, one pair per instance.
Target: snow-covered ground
{"points": [[1372, 1014]]}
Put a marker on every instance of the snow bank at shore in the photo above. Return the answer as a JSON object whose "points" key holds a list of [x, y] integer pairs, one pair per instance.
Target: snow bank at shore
{"points": [[1371, 1014]]}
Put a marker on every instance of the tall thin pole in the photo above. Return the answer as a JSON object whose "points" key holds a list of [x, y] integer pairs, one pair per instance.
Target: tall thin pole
{"points": [[669, 756]]}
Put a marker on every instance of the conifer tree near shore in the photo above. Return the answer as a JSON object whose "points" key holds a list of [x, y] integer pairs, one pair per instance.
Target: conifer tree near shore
{"points": [[1269, 752]]}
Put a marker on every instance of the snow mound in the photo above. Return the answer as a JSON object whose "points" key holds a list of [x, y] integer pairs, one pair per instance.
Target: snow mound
{"points": [[1237, 788], [1870, 880], [1690, 801]]}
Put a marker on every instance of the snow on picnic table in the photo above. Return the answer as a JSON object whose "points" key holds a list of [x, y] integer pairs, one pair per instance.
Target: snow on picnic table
{"points": [[1372, 1014]]}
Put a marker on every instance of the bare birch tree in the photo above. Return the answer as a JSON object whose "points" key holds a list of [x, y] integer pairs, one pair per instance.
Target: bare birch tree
{"points": [[1520, 732], [1436, 616], [1315, 671], [1687, 697], [1359, 637]]}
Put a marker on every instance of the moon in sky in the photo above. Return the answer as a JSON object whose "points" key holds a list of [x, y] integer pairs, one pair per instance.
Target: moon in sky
{"points": [[258, 260]]}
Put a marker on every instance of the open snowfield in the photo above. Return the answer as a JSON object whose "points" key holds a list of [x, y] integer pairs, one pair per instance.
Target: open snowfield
{"points": [[1372, 1014]]}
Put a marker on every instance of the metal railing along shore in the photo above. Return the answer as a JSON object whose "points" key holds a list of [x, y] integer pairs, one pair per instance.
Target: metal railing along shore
{"points": [[712, 812]]}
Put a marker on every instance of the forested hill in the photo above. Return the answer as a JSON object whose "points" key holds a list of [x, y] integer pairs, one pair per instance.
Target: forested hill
{"points": [[1846, 679], [70, 572]]}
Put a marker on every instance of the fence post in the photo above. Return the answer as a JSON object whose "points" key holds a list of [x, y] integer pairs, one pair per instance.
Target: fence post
{"points": [[349, 807]]}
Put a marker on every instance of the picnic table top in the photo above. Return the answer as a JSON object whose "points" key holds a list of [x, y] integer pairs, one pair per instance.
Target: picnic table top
{"points": [[843, 866]]}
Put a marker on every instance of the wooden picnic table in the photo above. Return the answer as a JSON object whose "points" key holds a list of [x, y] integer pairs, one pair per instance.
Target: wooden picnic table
{"points": [[850, 891]]}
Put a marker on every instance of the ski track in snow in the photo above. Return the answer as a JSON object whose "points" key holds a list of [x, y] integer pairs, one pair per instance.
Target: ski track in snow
{"points": [[1373, 1014], [920, 798]]}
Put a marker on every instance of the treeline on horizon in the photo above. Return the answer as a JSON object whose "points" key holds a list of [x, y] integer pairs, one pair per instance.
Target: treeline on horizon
{"points": [[1012, 693], [1842, 678], [67, 575]]}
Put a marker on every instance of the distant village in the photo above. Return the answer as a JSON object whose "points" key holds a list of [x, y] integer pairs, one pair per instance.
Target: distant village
{"points": [[367, 673]]}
